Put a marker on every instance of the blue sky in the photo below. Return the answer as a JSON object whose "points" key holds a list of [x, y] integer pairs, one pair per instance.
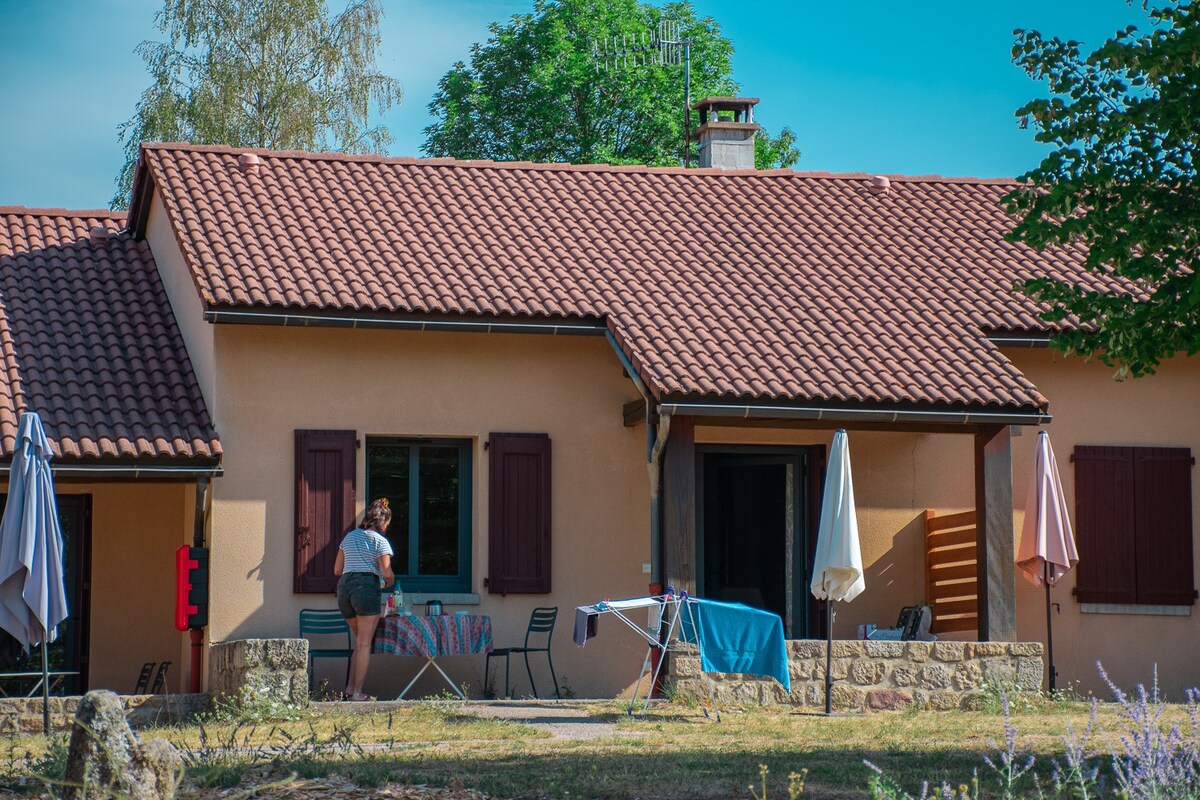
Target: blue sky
{"points": [[872, 86]]}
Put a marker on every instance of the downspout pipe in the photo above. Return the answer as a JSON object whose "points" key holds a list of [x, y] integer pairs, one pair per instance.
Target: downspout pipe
{"points": [[658, 425]]}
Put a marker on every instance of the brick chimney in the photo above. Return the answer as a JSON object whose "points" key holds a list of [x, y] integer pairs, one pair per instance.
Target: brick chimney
{"points": [[726, 132]]}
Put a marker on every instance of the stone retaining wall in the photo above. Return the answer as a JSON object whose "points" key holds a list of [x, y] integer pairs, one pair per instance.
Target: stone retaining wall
{"points": [[270, 668], [24, 714], [878, 676]]}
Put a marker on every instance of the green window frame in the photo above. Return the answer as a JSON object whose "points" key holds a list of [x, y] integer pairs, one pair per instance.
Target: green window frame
{"points": [[431, 535]]}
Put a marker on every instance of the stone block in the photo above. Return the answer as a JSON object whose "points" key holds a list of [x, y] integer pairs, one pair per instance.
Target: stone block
{"points": [[806, 648], [920, 698], [984, 649], [107, 760], [967, 675], [935, 676], [905, 674], [883, 649], [1029, 673], [1026, 649], [815, 695], [847, 698], [944, 701], [867, 672], [839, 669], [801, 669], [971, 701], [275, 667], [1000, 673], [847, 649], [949, 651], [918, 651], [888, 700], [685, 667]]}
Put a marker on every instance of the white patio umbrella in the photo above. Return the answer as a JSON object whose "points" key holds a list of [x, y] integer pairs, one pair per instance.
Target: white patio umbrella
{"points": [[1047, 550], [33, 600], [837, 568]]}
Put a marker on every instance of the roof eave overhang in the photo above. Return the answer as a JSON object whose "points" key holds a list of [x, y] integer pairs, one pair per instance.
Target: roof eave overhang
{"points": [[865, 416], [322, 318], [143, 468]]}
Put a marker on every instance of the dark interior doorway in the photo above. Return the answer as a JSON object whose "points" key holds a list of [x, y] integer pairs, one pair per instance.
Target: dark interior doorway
{"points": [[69, 652], [754, 544]]}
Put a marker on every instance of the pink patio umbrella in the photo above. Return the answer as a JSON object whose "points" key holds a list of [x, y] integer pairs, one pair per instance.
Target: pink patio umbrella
{"points": [[1047, 550]]}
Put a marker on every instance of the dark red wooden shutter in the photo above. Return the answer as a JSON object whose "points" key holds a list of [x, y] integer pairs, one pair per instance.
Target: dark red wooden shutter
{"points": [[519, 513], [1104, 525], [325, 462], [1163, 477]]}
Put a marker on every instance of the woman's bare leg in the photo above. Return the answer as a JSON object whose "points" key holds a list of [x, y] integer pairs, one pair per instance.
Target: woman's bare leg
{"points": [[364, 632]]}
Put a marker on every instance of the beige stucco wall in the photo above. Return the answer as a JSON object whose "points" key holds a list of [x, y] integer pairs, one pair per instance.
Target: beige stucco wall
{"points": [[899, 475], [1089, 407], [136, 527], [399, 383], [185, 300]]}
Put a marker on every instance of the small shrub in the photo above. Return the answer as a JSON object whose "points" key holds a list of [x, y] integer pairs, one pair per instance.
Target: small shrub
{"points": [[51, 766], [255, 704]]}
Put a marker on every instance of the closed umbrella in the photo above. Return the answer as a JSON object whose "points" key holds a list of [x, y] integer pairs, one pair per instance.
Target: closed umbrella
{"points": [[837, 568], [1047, 550], [33, 600]]}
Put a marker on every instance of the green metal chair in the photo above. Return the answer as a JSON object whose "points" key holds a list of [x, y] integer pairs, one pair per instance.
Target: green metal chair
{"points": [[540, 631], [328, 624]]}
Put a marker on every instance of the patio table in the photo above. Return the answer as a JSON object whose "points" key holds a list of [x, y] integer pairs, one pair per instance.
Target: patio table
{"points": [[432, 638]]}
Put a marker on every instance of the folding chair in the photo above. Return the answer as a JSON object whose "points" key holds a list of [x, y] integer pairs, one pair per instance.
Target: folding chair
{"points": [[160, 679], [143, 681], [541, 622], [325, 623]]}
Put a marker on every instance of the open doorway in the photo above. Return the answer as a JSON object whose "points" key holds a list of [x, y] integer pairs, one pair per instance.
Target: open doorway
{"points": [[69, 652], [756, 529]]}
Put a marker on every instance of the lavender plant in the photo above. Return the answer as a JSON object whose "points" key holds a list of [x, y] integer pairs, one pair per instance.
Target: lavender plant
{"points": [[1154, 761], [1157, 762]]}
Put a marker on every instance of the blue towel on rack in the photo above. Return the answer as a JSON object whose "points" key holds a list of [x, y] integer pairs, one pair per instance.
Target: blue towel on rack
{"points": [[738, 638]]}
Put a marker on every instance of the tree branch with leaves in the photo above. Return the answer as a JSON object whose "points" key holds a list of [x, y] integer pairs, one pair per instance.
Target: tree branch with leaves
{"points": [[280, 74], [1124, 121]]}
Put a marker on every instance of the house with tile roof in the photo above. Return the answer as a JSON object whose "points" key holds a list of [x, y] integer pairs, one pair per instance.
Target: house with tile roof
{"points": [[573, 382]]}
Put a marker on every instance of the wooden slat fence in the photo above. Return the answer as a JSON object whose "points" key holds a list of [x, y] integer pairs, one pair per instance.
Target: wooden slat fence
{"points": [[951, 588]]}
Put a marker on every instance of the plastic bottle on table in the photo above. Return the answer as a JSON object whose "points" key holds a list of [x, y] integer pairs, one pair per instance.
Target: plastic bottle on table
{"points": [[397, 598]]}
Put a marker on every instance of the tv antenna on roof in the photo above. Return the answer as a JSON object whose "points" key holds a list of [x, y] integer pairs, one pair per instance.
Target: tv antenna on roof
{"points": [[666, 48]]}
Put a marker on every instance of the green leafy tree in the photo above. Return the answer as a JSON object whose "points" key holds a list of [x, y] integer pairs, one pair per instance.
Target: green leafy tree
{"points": [[538, 91], [777, 152], [1124, 121], [261, 73]]}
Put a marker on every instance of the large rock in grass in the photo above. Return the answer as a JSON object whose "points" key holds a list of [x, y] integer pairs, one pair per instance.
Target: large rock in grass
{"points": [[106, 760]]}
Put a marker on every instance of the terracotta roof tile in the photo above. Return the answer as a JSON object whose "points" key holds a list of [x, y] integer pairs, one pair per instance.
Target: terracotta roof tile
{"points": [[88, 341], [768, 286]]}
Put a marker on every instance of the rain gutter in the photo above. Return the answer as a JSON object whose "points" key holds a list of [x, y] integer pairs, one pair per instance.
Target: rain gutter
{"points": [[129, 471], [1005, 340], [658, 425], [864, 415], [301, 320]]}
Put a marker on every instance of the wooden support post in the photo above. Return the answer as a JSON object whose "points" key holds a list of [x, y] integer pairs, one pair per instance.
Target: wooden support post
{"points": [[994, 535], [679, 505]]}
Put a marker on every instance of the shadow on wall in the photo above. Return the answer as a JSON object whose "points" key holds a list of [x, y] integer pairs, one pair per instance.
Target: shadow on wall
{"points": [[894, 580]]}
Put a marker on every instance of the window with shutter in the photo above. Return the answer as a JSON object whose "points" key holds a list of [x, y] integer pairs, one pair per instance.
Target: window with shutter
{"points": [[1133, 521], [325, 465], [519, 513]]}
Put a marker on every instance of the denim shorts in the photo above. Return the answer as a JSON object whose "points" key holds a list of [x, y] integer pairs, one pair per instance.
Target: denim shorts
{"points": [[358, 594]]}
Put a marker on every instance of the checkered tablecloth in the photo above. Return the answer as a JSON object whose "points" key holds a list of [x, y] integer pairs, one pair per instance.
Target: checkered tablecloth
{"points": [[444, 635]]}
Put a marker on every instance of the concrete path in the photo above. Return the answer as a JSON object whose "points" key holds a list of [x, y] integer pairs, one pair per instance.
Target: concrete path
{"points": [[561, 719]]}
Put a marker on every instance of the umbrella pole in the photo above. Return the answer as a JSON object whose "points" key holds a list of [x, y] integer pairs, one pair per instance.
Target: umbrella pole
{"points": [[45, 683], [1049, 632], [828, 654]]}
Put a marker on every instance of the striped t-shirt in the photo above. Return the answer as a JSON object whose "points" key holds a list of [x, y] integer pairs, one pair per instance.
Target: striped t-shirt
{"points": [[363, 549]]}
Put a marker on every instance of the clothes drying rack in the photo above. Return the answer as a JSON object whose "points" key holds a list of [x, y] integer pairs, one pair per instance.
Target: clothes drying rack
{"points": [[664, 635]]}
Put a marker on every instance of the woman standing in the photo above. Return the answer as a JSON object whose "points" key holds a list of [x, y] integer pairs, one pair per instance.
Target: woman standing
{"points": [[364, 562]]}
